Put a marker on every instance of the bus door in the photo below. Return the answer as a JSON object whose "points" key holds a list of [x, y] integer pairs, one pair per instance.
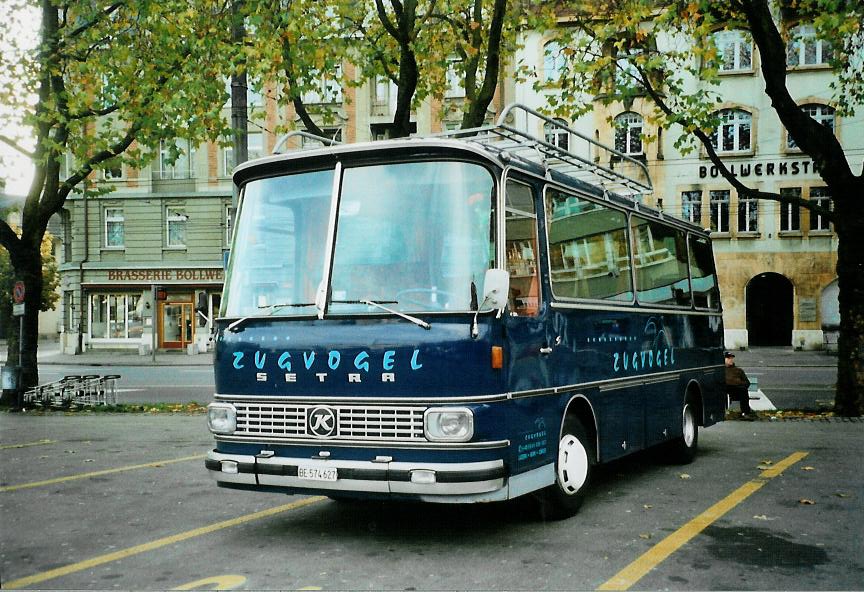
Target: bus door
{"points": [[526, 327]]}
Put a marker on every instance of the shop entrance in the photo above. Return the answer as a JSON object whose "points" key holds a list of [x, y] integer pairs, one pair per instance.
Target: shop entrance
{"points": [[769, 310], [176, 325]]}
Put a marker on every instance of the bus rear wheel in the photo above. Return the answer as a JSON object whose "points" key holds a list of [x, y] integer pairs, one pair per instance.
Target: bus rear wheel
{"points": [[572, 474], [684, 447]]}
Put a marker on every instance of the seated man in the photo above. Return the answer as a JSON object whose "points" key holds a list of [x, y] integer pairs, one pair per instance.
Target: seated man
{"points": [[737, 385]]}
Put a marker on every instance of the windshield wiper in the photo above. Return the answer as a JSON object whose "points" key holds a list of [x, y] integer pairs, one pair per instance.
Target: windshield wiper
{"points": [[415, 320], [276, 307]]}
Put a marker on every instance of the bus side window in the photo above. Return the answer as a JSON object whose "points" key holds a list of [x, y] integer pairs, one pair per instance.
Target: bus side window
{"points": [[702, 274], [522, 249]]}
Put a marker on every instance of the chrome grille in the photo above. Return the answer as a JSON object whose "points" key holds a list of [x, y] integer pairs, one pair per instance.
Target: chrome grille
{"points": [[356, 422]]}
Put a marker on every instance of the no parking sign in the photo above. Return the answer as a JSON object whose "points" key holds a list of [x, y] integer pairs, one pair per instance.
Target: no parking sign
{"points": [[18, 292]]}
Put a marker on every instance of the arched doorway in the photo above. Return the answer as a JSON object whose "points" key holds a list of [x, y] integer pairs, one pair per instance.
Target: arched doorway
{"points": [[769, 310]]}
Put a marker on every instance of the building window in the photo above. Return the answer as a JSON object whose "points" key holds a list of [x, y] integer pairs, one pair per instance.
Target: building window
{"points": [[554, 61], [254, 98], [804, 49], [627, 74], [175, 224], [556, 136], [748, 214], [332, 133], [384, 131], [628, 133], [691, 206], [823, 114], [229, 219], [382, 89], [116, 316], [735, 51], [455, 87], [254, 149], [113, 172], [66, 219], [115, 227], [820, 197], [719, 210], [733, 133], [326, 88], [175, 159], [790, 214]]}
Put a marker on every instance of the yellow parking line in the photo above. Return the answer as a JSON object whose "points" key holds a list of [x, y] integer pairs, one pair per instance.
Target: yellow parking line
{"points": [[143, 548], [157, 463], [226, 582], [634, 572], [26, 444]]}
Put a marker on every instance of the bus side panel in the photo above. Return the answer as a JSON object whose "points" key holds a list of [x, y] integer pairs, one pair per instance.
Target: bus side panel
{"points": [[642, 364]]}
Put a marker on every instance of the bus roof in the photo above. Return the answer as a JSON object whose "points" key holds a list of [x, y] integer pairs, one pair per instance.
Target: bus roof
{"points": [[500, 145]]}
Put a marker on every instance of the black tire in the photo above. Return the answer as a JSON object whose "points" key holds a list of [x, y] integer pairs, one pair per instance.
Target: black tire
{"points": [[683, 449], [573, 469]]}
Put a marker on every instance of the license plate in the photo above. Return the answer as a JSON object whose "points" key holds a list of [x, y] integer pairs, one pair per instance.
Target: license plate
{"points": [[317, 473]]}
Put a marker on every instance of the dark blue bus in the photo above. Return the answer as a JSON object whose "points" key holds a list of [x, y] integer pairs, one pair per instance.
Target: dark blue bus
{"points": [[458, 319]]}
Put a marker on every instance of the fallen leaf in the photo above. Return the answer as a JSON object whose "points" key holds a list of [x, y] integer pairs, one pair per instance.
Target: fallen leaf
{"points": [[684, 476], [762, 517], [89, 460], [808, 468], [843, 494], [767, 462], [806, 502], [645, 535], [647, 506], [764, 467]]}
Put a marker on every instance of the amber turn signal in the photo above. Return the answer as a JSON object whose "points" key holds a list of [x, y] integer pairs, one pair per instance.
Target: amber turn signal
{"points": [[497, 356]]}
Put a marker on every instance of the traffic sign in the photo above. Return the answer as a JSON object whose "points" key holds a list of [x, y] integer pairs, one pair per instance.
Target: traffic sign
{"points": [[18, 292], [18, 309]]}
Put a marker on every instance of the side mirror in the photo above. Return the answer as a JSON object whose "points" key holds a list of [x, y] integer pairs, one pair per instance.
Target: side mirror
{"points": [[496, 287]]}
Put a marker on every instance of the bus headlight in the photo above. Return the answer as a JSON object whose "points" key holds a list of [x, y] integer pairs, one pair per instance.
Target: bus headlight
{"points": [[221, 418], [449, 424]]}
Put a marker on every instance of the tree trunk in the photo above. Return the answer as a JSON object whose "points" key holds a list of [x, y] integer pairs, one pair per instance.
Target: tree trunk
{"points": [[28, 268], [408, 73], [849, 399]]}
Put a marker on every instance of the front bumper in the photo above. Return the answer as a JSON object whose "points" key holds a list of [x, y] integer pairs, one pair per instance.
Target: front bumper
{"points": [[376, 477]]}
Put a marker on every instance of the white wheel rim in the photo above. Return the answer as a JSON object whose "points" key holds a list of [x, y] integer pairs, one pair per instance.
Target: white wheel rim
{"points": [[572, 464], [689, 426]]}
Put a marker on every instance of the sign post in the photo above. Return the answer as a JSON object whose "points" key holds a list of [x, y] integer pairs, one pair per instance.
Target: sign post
{"points": [[153, 324], [18, 308]]}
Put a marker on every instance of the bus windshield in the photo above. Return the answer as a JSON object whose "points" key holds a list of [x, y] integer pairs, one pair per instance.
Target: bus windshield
{"points": [[416, 236]]}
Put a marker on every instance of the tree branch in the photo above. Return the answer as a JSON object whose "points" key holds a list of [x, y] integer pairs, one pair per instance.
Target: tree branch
{"points": [[108, 11], [94, 112], [385, 20], [8, 239], [17, 147], [813, 138]]}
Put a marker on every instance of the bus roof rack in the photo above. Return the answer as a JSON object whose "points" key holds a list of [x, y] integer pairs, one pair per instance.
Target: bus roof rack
{"points": [[505, 137], [277, 149]]}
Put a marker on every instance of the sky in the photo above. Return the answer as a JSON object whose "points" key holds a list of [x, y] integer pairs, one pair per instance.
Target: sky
{"points": [[15, 169]]}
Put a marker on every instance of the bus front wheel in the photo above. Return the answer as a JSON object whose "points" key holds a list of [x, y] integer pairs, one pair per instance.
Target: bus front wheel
{"points": [[572, 473]]}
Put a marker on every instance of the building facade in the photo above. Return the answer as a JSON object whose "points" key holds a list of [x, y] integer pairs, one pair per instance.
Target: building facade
{"points": [[776, 264], [143, 265]]}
